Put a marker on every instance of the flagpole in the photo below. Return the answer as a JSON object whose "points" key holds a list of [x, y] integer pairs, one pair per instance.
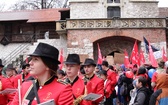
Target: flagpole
{"points": [[19, 92]]}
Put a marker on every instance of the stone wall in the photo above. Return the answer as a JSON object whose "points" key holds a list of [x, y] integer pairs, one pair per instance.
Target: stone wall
{"points": [[163, 12], [129, 9], [86, 10]]}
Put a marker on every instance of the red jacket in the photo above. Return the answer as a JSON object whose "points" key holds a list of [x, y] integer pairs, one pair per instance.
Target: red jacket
{"points": [[61, 93], [7, 98], [111, 75], [107, 88], [17, 77], [78, 89], [97, 87]]}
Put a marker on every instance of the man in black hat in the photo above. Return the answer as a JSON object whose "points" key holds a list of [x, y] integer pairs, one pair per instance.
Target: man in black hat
{"points": [[80, 88], [97, 83]]}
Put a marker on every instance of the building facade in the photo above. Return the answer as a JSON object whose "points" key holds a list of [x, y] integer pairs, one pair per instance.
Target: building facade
{"points": [[115, 25]]}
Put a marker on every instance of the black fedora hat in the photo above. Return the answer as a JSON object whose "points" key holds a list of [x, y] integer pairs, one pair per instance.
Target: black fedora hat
{"points": [[1, 65], [46, 50], [73, 59], [89, 61]]}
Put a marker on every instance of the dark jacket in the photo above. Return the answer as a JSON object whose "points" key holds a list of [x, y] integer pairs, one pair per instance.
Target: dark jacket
{"points": [[123, 79], [142, 97]]}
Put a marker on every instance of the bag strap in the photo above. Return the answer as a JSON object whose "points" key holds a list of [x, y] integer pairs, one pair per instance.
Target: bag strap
{"points": [[35, 91]]}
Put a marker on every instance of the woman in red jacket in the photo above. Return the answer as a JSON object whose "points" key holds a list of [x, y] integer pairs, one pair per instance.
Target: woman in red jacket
{"points": [[43, 65], [107, 87]]}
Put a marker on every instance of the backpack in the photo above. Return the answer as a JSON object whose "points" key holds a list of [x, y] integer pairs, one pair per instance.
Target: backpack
{"points": [[124, 89]]}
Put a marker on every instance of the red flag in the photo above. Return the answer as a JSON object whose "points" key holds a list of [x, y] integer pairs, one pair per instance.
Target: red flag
{"points": [[126, 59], [152, 58], [100, 59], [135, 55], [164, 57], [142, 58], [61, 59]]}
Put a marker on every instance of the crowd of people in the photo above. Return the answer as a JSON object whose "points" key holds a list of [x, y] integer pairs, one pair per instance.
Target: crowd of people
{"points": [[82, 83]]}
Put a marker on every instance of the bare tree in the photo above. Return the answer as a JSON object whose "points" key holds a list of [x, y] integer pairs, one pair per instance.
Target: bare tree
{"points": [[2, 6], [39, 4]]}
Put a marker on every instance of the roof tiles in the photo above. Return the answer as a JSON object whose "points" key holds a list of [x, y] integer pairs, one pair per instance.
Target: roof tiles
{"points": [[43, 15]]}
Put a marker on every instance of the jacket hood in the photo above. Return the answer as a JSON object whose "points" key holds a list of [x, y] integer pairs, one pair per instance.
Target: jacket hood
{"points": [[146, 90], [161, 81]]}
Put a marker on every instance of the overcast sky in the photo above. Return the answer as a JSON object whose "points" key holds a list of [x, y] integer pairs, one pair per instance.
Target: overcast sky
{"points": [[162, 3]]}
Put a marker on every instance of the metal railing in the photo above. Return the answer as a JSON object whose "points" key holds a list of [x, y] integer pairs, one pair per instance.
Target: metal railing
{"points": [[16, 52]]}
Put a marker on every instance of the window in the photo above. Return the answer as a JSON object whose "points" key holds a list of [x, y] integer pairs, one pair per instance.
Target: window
{"points": [[113, 12], [113, 1], [117, 1]]}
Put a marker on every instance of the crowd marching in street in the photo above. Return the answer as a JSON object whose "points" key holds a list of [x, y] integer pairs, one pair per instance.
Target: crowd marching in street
{"points": [[42, 82]]}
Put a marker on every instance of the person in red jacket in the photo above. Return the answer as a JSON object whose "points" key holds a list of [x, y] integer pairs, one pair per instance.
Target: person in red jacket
{"points": [[112, 75], [107, 87], [5, 99], [43, 66], [24, 75], [80, 87], [97, 83]]}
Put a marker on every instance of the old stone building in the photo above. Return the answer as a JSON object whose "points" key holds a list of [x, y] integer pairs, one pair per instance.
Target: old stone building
{"points": [[115, 25]]}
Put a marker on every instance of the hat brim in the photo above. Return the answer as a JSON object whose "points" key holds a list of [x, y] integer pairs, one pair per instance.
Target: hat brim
{"points": [[9, 69], [89, 64], [72, 63], [44, 56]]}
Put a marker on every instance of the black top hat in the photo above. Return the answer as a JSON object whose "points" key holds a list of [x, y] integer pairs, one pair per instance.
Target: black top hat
{"points": [[89, 61], [73, 59], [46, 50], [1, 65]]}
